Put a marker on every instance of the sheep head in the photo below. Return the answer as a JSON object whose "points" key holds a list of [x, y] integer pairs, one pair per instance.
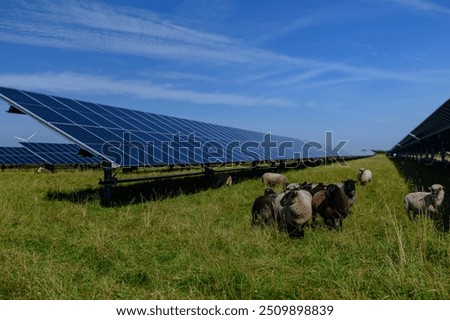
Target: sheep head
{"points": [[349, 187], [436, 189], [306, 186], [268, 191], [330, 190], [288, 198]]}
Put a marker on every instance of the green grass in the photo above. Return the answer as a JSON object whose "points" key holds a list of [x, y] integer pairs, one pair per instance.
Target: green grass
{"points": [[201, 246]]}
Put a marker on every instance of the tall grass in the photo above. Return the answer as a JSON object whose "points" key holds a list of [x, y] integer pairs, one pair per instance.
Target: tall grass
{"points": [[201, 246]]}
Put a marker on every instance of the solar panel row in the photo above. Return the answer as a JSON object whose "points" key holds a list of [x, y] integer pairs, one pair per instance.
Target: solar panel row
{"points": [[58, 153], [33, 153], [433, 130], [17, 156], [135, 138]]}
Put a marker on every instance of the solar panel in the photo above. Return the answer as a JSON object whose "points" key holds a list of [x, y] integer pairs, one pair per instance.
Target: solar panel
{"points": [[433, 129], [17, 156], [59, 153], [136, 138]]}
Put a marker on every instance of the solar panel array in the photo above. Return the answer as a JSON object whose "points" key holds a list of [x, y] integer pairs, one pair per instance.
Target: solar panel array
{"points": [[17, 156], [58, 153], [433, 131], [135, 138]]}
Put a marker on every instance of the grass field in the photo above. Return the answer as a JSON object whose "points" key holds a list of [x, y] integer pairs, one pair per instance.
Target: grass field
{"points": [[201, 245]]}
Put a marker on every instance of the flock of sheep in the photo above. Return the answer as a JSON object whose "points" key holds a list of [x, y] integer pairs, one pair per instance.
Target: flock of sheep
{"points": [[292, 209]]}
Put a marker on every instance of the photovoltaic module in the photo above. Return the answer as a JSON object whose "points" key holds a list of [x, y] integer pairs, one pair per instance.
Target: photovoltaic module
{"points": [[128, 137]]}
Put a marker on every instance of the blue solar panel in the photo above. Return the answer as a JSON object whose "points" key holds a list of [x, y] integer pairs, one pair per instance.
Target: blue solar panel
{"points": [[17, 156], [135, 138], [59, 153]]}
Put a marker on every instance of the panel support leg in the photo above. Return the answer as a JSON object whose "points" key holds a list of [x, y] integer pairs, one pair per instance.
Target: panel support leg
{"points": [[107, 183]]}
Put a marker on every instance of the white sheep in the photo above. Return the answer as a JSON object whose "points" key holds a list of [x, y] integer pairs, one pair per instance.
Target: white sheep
{"points": [[293, 211], [428, 203], [364, 175], [272, 179], [42, 170]]}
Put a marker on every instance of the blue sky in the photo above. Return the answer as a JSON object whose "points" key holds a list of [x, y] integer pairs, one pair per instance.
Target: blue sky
{"points": [[368, 70]]}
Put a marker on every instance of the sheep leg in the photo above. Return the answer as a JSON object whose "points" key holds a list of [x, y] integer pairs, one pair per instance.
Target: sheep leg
{"points": [[408, 213], [340, 224], [281, 224], [330, 223], [294, 232], [313, 219], [298, 234], [258, 219], [254, 217]]}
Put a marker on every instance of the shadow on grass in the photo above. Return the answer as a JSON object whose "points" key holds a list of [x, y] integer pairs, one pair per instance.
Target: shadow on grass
{"points": [[154, 190], [420, 176], [160, 189], [78, 196]]}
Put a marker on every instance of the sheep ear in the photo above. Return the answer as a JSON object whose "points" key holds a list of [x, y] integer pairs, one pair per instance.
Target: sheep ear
{"points": [[429, 188]]}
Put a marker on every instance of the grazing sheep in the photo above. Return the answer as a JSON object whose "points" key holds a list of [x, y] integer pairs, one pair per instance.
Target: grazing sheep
{"points": [[425, 202], [42, 170], [263, 211], [332, 204], [295, 212], [364, 176], [308, 186], [349, 187], [272, 179], [316, 187]]}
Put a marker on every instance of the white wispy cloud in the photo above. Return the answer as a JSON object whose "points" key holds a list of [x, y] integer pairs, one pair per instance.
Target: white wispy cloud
{"points": [[73, 82], [93, 26], [98, 27], [423, 5]]}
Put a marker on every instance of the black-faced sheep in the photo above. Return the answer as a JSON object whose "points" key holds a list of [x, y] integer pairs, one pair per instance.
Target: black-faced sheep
{"points": [[295, 212], [349, 187], [429, 203], [272, 179], [263, 210], [364, 176], [332, 204]]}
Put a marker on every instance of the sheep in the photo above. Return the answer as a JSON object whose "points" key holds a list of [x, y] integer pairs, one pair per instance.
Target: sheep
{"points": [[332, 204], [295, 212], [425, 202], [316, 187], [272, 179], [42, 170], [263, 211], [308, 186], [349, 187], [364, 176]]}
